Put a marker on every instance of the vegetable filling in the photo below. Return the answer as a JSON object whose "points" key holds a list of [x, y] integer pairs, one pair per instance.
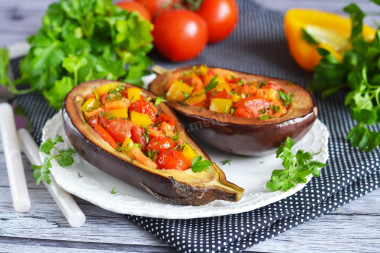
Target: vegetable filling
{"points": [[219, 91], [132, 123]]}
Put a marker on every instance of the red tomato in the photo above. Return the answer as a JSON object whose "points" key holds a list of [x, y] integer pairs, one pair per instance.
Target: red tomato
{"points": [[172, 160], [105, 135], [179, 35], [221, 17], [135, 6], [165, 118], [156, 6], [251, 107], [144, 107], [161, 144], [137, 136], [271, 85], [218, 94], [119, 129]]}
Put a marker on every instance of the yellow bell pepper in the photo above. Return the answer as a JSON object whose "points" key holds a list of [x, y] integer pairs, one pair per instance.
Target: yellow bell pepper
{"points": [[140, 119], [197, 96], [127, 145], [331, 31], [235, 97], [177, 90], [221, 105], [119, 113], [134, 94], [188, 152], [89, 105], [106, 88], [202, 70]]}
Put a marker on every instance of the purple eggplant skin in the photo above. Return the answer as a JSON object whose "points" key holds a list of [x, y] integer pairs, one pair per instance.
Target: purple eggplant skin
{"points": [[173, 189], [244, 136]]}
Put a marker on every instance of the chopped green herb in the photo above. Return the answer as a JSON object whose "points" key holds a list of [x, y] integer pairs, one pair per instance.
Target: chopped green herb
{"points": [[175, 137], [261, 84], [226, 162], [199, 165], [264, 117], [79, 175], [113, 190], [212, 84], [296, 168], [187, 95], [275, 108], [232, 111], [285, 99], [159, 100]]}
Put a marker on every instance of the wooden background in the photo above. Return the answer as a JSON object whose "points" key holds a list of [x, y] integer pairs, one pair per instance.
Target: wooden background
{"points": [[354, 227]]}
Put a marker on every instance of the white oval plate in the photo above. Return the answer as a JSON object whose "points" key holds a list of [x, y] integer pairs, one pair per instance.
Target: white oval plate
{"points": [[90, 183]]}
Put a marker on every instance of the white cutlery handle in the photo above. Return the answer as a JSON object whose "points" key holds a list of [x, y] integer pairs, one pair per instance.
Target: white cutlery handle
{"points": [[64, 200], [15, 168]]}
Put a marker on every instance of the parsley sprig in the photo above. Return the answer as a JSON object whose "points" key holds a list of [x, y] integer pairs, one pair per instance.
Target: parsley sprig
{"points": [[359, 72], [63, 157], [199, 165], [296, 168]]}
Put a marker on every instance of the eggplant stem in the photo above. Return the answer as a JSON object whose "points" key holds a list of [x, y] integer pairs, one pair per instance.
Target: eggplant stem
{"points": [[159, 70]]}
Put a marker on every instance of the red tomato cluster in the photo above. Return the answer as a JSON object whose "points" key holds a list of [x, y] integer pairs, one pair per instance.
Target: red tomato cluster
{"points": [[181, 34]]}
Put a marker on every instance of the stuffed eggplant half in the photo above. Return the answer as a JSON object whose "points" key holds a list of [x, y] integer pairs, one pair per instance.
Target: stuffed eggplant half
{"points": [[131, 134], [237, 112]]}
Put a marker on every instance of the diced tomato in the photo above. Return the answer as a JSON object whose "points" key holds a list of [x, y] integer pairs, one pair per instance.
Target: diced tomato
{"points": [[172, 160], [119, 129], [144, 107], [161, 144], [92, 120], [91, 95], [103, 98], [165, 118], [154, 132], [218, 94], [105, 135], [103, 121], [271, 85], [124, 93], [137, 136], [251, 107]]}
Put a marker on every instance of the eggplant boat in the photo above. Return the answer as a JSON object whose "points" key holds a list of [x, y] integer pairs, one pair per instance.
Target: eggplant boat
{"points": [[134, 136], [237, 112]]}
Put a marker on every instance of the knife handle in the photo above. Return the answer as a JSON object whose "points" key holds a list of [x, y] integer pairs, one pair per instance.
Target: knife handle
{"points": [[63, 199], [15, 168]]}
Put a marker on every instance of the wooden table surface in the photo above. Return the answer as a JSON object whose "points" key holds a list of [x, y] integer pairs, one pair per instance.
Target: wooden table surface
{"points": [[354, 227]]}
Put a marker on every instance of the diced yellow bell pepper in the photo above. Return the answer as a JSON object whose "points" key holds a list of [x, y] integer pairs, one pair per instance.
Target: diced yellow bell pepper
{"points": [[235, 97], [89, 105], [177, 90], [119, 113], [127, 145], [221, 105], [270, 94], [223, 85], [196, 97], [140, 119], [106, 88], [202, 70], [188, 152], [134, 94]]}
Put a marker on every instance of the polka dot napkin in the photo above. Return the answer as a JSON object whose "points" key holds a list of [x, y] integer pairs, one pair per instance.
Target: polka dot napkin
{"points": [[258, 46]]}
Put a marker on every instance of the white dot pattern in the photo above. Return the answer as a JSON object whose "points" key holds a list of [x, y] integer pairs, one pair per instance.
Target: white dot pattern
{"points": [[258, 46]]}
